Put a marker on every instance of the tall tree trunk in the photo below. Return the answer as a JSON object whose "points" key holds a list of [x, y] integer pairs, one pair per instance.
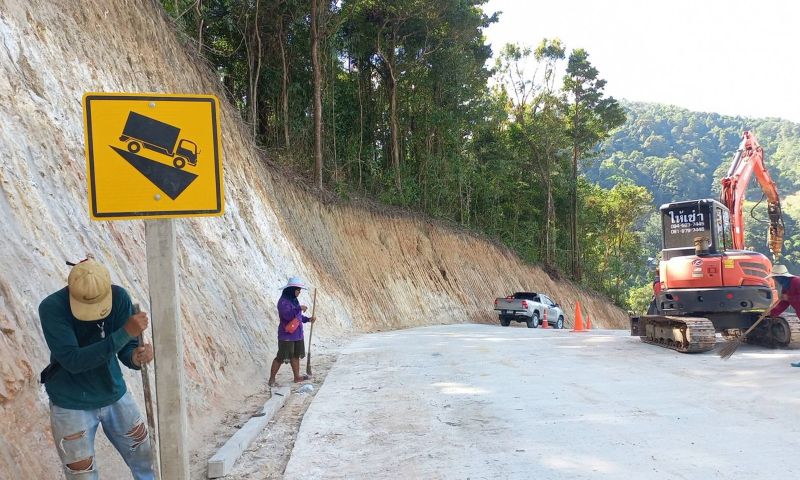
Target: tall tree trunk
{"points": [[257, 73], [549, 222], [284, 84], [332, 76], [393, 124], [197, 7], [389, 58], [422, 178], [549, 161], [360, 124], [576, 266], [576, 262], [317, 93]]}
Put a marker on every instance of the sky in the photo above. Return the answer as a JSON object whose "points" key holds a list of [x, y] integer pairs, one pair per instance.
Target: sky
{"points": [[725, 56]]}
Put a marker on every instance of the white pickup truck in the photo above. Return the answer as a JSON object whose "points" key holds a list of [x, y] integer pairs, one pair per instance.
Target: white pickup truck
{"points": [[529, 307]]}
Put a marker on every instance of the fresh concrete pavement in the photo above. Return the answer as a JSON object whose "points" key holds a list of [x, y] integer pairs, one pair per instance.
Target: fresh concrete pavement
{"points": [[482, 401]]}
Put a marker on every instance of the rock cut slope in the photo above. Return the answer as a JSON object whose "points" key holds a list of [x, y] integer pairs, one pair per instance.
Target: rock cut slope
{"points": [[373, 270]]}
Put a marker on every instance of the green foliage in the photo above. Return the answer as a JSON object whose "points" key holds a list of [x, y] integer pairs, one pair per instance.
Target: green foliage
{"points": [[411, 118], [613, 239], [639, 298], [677, 154], [590, 116]]}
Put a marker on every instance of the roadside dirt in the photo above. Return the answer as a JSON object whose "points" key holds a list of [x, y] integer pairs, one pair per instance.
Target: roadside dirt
{"points": [[267, 456]]}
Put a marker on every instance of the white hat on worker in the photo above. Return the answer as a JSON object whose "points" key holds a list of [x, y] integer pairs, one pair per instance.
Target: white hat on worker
{"points": [[780, 271], [294, 282]]}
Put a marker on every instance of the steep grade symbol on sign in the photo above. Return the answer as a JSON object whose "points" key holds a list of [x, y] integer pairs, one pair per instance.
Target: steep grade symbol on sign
{"points": [[142, 131], [170, 180]]}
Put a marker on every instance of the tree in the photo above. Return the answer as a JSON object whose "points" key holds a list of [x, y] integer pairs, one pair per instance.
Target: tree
{"points": [[590, 117], [395, 93], [317, 106], [537, 119], [614, 221]]}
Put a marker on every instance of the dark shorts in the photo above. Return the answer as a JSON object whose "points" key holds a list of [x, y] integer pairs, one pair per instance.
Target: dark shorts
{"points": [[288, 349]]}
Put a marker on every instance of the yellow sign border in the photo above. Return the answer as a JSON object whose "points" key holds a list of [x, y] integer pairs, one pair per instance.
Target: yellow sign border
{"points": [[88, 97]]}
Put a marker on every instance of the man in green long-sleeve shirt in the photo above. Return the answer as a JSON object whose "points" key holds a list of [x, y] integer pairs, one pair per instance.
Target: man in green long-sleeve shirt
{"points": [[88, 326]]}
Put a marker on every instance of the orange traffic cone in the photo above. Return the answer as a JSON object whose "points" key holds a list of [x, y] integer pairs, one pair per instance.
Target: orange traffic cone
{"points": [[578, 319], [588, 323], [544, 323]]}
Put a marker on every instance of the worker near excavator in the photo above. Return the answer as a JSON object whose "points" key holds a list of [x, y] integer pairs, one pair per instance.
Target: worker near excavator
{"points": [[89, 326], [291, 343], [790, 293]]}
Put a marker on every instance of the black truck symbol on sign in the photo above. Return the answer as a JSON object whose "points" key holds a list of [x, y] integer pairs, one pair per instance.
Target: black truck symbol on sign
{"points": [[141, 131]]}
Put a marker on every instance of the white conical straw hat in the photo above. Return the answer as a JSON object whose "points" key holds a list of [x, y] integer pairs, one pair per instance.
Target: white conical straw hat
{"points": [[294, 282]]}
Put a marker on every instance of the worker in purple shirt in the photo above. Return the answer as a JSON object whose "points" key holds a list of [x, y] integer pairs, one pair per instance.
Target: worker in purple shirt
{"points": [[291, 346], [789, 286]]}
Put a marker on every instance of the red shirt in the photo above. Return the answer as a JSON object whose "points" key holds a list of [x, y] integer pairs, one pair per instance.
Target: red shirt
{"points": [[792, 298]]}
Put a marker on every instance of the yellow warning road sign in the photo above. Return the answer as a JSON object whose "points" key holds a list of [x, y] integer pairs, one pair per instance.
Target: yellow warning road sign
{"points": [[153, 155]]}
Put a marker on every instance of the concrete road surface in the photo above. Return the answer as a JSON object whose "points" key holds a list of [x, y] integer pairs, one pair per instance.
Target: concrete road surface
{"points": [[481, 401]]}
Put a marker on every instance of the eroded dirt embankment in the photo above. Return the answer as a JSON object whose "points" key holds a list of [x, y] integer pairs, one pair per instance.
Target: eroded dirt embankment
{"points": [[374, 271]]}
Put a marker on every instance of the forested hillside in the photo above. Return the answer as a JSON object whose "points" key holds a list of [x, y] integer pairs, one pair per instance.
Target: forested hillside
{"points": [[678, 154], [398, 101], [405, 102]]}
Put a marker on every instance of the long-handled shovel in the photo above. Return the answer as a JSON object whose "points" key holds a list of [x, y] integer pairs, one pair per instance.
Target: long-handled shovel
{"points": [[310, 334], [148, 407]]}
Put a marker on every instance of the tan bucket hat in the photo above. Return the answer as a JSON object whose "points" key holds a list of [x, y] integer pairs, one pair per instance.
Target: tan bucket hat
{"points": [[89, 286], [780, 271]]}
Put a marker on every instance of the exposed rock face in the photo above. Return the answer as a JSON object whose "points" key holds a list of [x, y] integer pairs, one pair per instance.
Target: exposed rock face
{"points": [[373, 270]]}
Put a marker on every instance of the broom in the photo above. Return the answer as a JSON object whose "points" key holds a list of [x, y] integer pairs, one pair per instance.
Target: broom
{"points": [[310, 333], [730, 348]]}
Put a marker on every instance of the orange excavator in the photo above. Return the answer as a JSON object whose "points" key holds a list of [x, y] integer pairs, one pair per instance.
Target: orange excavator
{"points": [[708, 281]]}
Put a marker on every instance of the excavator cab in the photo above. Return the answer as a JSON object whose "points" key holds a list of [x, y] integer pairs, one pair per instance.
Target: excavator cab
{"points": [[695, 227]]}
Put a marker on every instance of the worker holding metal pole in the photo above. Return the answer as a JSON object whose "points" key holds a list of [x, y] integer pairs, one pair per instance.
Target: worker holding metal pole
{"points": [[90, 326]]}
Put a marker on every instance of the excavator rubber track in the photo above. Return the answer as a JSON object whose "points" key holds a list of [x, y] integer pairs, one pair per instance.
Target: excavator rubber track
{"points": [[682, 334], [776, 332]]}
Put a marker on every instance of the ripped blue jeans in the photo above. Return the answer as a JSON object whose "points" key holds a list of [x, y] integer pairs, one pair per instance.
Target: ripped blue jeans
{"points": [[74, 432]]}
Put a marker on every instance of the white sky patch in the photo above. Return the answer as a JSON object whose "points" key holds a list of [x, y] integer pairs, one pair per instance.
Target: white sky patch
{"points": [[726, 56]]}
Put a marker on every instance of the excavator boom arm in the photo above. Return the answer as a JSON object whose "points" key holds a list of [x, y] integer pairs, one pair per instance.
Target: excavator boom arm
{"points": [[749, 160]]}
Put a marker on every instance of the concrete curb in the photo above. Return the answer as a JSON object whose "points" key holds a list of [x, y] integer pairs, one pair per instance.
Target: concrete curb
{"points": [[222, 462]]}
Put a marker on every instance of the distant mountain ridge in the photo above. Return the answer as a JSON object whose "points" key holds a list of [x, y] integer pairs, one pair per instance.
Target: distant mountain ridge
{"points": [[679, 154]]}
